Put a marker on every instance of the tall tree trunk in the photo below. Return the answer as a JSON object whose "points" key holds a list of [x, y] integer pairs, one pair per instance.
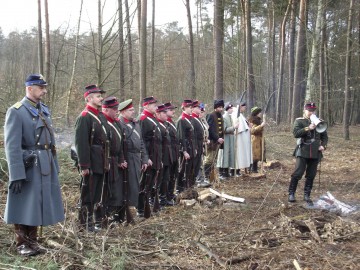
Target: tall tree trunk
{"points": [[281, 64], [292, 25], [51, 95], [249, 62], [130, 49], [40, 46], [321, 110], [218, 48], [121, 52], [69, 91], [273, 57], [142, 55], [310, 87], [192, 55], [152, 61], [346, 115], [100, 46], [300, 60]]}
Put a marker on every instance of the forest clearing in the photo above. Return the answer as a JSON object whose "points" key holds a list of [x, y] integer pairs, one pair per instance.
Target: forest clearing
{"points": [[264, 232]]}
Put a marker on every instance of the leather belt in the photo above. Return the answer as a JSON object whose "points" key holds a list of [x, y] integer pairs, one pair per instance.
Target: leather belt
{"points": [[39, 147]]}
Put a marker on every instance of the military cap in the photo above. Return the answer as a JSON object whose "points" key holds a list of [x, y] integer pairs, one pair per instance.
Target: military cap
{"points": [[195, 103], [170, 106], [218, 103], [110, 102], [92, 88], [228, 106], [243, 103], [187, 103], [310, 106], [149, 100], [127, 104], [255, 111], [161, 108], [35, 79]]}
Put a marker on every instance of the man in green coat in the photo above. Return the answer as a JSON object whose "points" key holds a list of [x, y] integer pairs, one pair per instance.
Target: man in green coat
{"points": [[308, 151]]}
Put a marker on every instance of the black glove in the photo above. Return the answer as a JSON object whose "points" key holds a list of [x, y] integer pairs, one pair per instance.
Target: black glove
{"points": [[16, 186]]}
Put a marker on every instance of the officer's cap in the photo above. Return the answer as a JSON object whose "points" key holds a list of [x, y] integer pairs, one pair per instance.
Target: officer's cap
{"points": [[149, 100], [161, 108], [170, 106], [127, 104], [92, 88], [310, 106], [110, 102], [195, 103], [187, 103], [35, 79]]}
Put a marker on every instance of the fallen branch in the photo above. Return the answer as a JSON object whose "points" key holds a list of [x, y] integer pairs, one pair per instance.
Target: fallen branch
{"points": [[226, 196], [209, 253]]}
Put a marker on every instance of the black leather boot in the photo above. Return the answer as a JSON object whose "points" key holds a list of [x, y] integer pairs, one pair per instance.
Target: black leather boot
{"points": [[292, 190], [255, 167], [33, 241], [226, 173], [307, 191], [22, 241]]}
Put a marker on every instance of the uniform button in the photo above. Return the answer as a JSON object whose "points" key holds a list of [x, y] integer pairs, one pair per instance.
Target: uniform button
{"points": [[33, 119], [38, 143], [37, 135]]}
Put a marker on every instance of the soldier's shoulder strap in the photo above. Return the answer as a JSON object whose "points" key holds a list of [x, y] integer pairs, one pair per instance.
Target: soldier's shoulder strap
{"points": [[17, 105], [299, 118]]}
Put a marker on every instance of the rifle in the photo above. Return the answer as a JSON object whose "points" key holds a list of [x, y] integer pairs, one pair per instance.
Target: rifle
{"points": [[156, 207], [147, 210], [263, 133], [83, 210], [129, 218], [100, 207]]}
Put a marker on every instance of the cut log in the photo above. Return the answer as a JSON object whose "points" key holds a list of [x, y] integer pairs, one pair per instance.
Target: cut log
{"points": [[226, 196], [188, 203], [207, 197]]}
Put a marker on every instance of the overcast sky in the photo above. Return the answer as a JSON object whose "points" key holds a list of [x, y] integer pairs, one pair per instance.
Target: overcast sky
{"points": [[20, 15]]}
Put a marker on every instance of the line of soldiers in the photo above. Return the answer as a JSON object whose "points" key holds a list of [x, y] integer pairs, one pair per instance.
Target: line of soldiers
{"points": [[126, 162]]}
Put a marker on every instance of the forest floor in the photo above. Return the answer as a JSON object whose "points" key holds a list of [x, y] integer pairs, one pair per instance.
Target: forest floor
{"points": [[265, 232]]}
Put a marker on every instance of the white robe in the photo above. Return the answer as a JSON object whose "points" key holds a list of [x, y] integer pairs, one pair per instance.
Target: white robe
{"points": [[243, 144]]}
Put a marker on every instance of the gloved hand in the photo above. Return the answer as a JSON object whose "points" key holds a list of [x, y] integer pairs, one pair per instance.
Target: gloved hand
{"points": [[16, 186]]}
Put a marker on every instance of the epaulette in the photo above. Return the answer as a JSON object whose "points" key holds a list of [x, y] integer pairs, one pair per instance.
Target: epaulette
{"points": [[17, 105], [143, 117], [84, 113]]}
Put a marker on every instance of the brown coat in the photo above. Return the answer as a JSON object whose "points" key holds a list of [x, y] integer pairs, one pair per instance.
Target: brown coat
{"points": [[256, 137]]}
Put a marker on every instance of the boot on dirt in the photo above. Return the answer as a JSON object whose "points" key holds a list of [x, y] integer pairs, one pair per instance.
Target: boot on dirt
{"points": [[292, 190], [255, 167], [33, 241], [22, 241], [226, 173]]}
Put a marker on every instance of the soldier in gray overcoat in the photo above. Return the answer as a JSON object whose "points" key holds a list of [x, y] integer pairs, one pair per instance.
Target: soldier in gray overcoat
{"points": [[134, 151], [34, 195], [226, 156]]}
